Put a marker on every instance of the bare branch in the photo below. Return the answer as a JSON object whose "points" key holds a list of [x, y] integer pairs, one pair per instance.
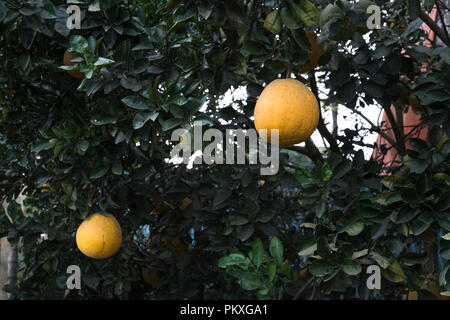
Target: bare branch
{"points": [[321, 126], [443, 35]]}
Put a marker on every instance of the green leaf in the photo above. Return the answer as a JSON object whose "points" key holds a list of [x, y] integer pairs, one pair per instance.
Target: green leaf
{"points": [[117, 168], [83, 145], [78, 43], [98, 173], [353, 226], [41, 145], [307, 12], [382, 261], [136, 102], [320, 268], [288, 19], [422, 222], [271, 270], [276, 250], [234, 259], [245, 232], [253, 47], [286, 268], [307, 247], [222, 195], [257, 253], [342, 169], [142, 117], [250, 281], [443, 275], [273, 22], [320, 208], [416, 165], [171, 123], [351, 267], [394, 272], [91, 281], [3, 11], [103, 62], [413, 8]]}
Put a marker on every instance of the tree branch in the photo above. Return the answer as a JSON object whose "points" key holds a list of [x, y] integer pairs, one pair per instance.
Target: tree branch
{"points": [[443, 35], [313, 151], [303, 288], [310, 151], [321, 126], [439, 5], [400, 146], [374, 127]]}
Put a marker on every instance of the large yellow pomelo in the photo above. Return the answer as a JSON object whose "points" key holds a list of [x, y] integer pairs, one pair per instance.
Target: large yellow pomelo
{"points": [[289, 106], [99, 236], [67, 61]]}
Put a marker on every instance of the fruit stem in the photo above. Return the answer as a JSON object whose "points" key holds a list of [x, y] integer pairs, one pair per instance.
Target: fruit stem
{"points": [[288, 71]]}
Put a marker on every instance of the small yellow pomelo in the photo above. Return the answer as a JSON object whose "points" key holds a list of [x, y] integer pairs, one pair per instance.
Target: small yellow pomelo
{"points": [[99, 236], [289, 106]]}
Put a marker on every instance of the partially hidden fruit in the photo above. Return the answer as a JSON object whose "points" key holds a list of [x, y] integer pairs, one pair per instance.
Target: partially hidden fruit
{"points": [[159, 207], [314, 55], [99, 236], [45, 189], [179, 248], [150, 277], [185, 203], [303, 273], [402, 28], [431, 286], [289, 106], [67, 61]]}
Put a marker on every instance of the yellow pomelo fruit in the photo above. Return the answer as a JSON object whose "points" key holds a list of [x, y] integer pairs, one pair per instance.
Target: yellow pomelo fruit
{"points": [[289, 106], [67, 61], [262, 182], [314, 55], [99, 236]]}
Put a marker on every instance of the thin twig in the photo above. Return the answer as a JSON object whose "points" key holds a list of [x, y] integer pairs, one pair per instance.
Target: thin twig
{"points": [[433, 26], [305, 286], [321, 126], [374, 127], [441, 16], [398, 134], [288, 71], [349, 206]]}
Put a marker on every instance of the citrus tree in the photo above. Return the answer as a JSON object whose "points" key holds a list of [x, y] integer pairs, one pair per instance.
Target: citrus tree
{"points": [[86, 122]]}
